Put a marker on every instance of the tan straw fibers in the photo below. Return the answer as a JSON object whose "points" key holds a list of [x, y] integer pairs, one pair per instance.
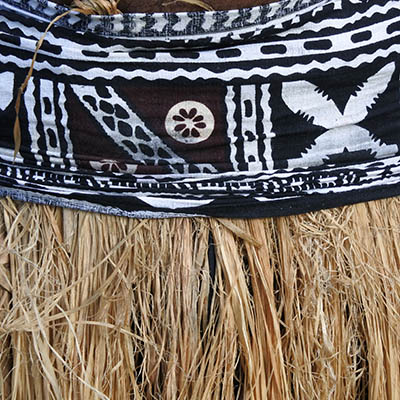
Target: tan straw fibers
{"points": [[102, 307]]}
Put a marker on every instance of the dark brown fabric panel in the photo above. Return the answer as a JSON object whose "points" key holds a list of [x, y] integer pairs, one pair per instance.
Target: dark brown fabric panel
{"points": [[179, 6]]}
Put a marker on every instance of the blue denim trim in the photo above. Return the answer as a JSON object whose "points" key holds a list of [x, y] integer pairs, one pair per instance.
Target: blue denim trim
{"points": [[28, 196]]}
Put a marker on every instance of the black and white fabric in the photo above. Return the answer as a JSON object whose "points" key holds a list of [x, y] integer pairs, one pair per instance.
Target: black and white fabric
{"points": [[267, 111]]}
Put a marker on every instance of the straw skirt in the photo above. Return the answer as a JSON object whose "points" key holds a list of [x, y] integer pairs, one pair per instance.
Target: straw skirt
{"points": [[94, 306]]}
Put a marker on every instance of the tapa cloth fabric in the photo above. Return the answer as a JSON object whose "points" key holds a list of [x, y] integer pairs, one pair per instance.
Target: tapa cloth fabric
{"points": [[272, 110]]}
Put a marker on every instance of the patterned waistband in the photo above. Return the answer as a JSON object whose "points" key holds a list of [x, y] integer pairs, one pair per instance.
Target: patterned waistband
{"points": [[164, 25], [282, 109]]}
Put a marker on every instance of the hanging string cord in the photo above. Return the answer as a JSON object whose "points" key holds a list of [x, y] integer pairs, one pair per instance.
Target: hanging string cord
{"points": [[87, 7]]}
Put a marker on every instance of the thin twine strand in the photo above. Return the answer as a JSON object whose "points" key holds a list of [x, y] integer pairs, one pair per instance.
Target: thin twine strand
{"points": [[86, 7]]}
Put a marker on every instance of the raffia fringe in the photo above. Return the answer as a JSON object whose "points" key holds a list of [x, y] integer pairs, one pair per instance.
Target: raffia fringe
{"points": [[101, 307]]}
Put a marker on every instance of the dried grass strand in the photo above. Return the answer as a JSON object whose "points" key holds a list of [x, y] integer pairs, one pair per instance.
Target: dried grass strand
{"points": [[21, 89], [96, 7], [103, 7], [300, 307]]}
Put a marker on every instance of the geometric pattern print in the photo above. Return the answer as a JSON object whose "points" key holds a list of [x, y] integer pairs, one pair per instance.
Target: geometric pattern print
{"points": [[218, 26], [48, 124], [251, 128], [120, 123], [201, 22], [246, 89], [261, 195], [171, 24], [171, 64], [343, 133]]}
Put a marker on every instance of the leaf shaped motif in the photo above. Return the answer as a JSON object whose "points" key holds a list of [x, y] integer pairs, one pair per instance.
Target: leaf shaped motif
{"points": [[359, 104], [308, 100]]}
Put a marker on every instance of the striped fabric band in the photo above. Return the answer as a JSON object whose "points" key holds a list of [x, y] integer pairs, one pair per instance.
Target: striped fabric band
{"points": [[267, 111]]}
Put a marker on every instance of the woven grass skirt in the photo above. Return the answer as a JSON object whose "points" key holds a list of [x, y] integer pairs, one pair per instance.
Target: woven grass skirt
{"points": [[94, 306]]}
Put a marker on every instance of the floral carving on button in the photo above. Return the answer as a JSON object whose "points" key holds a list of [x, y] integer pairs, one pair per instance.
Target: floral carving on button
{"points": [[189, 122]]}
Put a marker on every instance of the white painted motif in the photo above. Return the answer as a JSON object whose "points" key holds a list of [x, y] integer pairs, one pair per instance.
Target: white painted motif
{"points": [[190, 122], [343, 131], [6, 89]]}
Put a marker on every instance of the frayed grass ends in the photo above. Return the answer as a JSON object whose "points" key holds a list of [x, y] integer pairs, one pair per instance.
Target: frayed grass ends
{"points": [[303, 307]]}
